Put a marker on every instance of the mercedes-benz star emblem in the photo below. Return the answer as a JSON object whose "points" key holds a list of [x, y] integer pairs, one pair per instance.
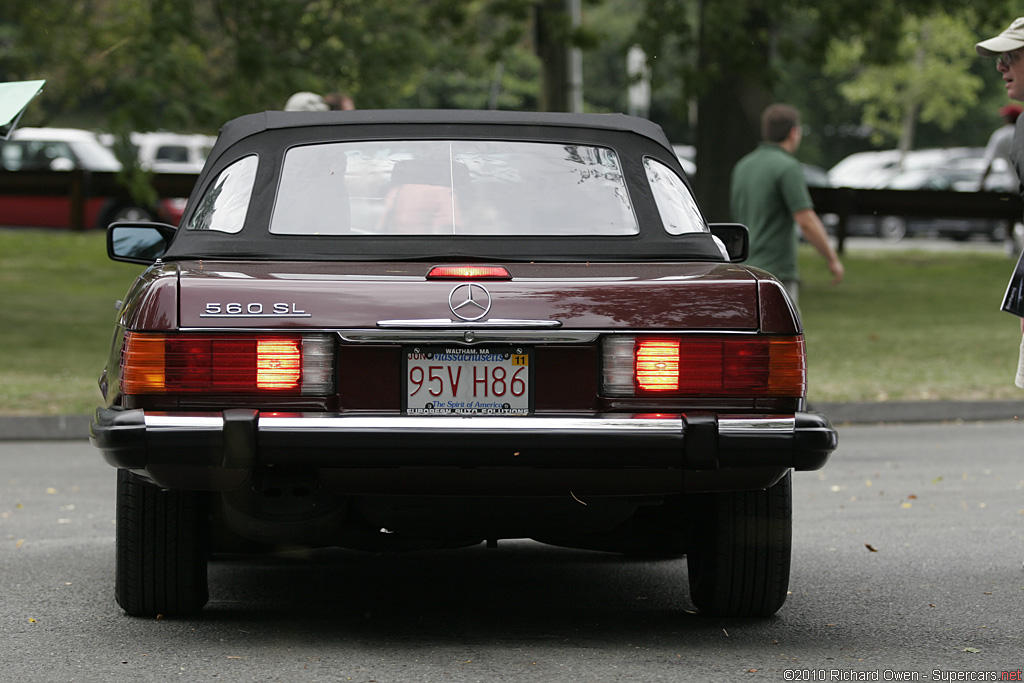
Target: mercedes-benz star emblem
{"points": [[470, 301]]}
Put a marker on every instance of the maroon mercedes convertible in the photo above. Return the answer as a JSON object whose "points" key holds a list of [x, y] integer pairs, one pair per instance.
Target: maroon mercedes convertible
{"points": [[399, 330]]}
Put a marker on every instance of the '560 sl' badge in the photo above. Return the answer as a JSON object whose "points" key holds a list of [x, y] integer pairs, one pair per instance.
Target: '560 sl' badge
{"points": [[253, 310]]}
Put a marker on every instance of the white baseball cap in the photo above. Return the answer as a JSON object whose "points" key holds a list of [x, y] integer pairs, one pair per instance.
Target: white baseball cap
{"points": [[1010, 39], [305, 101]]}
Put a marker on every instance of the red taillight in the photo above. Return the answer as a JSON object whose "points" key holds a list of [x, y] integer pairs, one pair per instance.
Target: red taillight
{"points": [[278, 364], [226, 364], [657, 364], [469, 273], [705, 366]]}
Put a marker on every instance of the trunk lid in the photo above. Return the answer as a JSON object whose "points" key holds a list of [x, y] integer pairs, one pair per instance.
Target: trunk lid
{"points": [[318, 295]]}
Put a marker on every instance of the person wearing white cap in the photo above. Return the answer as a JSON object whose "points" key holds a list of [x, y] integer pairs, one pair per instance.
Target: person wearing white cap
{"points": [[1007, 49], [305, 101]]}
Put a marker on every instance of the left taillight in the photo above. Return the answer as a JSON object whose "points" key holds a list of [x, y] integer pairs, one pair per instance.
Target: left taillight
{"points": [[283, 364], [704, 366]]}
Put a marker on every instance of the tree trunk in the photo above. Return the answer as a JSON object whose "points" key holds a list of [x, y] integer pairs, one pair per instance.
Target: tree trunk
{"points": [[907, 128], [908, 125], [551, 23], [729, 110]]}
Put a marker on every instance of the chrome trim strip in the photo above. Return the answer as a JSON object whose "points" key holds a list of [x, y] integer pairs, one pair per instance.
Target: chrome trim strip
{"points": [[419, 323], [410, 336], [189, 422], [469, 424], [460, 337], [367, 334], [447, 423], [756, 425]]}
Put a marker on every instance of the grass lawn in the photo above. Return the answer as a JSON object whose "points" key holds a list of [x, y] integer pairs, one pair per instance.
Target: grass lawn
{"points": [[902, 326], [909, 326], [57, 315]]}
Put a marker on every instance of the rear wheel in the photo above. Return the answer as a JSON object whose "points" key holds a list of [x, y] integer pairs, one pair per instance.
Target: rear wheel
{"points": [[161, 549], [738, 553]]}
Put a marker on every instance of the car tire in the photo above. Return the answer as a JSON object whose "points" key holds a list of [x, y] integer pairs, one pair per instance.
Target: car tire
{"points": [[892, 228], [161, 549], [738, 552]]}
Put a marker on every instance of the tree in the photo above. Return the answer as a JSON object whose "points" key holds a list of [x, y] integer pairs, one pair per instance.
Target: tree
{"points": [[931, 80], [192, 64], [733, 53], [482, 58]]}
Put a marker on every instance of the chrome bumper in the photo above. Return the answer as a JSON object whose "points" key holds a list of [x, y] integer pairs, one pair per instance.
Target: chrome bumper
{"points": [[245, 439]]}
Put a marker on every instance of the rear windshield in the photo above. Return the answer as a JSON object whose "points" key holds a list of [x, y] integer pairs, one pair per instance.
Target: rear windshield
{"points": [[456, 187]]}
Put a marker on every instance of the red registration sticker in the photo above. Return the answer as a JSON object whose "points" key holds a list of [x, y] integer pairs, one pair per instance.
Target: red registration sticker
{"points": [[467, 381]]}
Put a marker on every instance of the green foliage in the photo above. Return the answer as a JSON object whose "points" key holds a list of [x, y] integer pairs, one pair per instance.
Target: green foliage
{"points": [[732, 59], [930, 80], [192, 64], [137, 180], [612, 24], [479, 59]]}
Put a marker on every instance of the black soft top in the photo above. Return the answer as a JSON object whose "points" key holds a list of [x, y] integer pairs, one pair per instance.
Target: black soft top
{"points": [[270, 134], [254, 124]]}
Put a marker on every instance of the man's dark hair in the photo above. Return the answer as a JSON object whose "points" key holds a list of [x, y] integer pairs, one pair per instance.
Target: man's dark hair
{"points": [[776, 122]]}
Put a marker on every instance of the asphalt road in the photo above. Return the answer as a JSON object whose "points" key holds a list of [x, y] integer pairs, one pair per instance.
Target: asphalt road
{"points": [[907, 566]]}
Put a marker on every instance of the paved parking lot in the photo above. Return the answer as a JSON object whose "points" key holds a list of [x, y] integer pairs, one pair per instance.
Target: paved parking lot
{"points": [[907, 562]]}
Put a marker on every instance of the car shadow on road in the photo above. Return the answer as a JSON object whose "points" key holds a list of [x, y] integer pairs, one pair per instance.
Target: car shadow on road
{"points": [[519, 590]]}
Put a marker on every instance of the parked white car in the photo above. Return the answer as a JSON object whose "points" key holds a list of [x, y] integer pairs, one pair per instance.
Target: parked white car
{"points": [[873, 170], [173, 152], [56, 149], [164, 152], [68, 149]]}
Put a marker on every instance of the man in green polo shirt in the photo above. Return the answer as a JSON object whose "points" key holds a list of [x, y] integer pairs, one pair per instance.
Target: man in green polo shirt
{"points": [[769, 194]]}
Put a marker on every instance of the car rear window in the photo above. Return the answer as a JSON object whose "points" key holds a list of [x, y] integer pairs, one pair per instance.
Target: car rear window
{"points": [[224, 206], [678, 208], [456, 187]]}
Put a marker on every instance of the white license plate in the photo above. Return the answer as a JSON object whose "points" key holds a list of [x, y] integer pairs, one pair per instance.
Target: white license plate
{"points": [[467, 381]]}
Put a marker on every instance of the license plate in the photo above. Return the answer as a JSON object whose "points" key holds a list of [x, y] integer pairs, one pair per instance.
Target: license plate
{"points": [[468, 381]]}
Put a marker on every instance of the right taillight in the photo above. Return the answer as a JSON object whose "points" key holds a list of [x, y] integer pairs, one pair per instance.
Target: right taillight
{"points": [[704, 366]]}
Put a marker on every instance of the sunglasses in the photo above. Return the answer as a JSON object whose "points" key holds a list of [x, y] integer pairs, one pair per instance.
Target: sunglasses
{"points": [[1008, 58]]}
